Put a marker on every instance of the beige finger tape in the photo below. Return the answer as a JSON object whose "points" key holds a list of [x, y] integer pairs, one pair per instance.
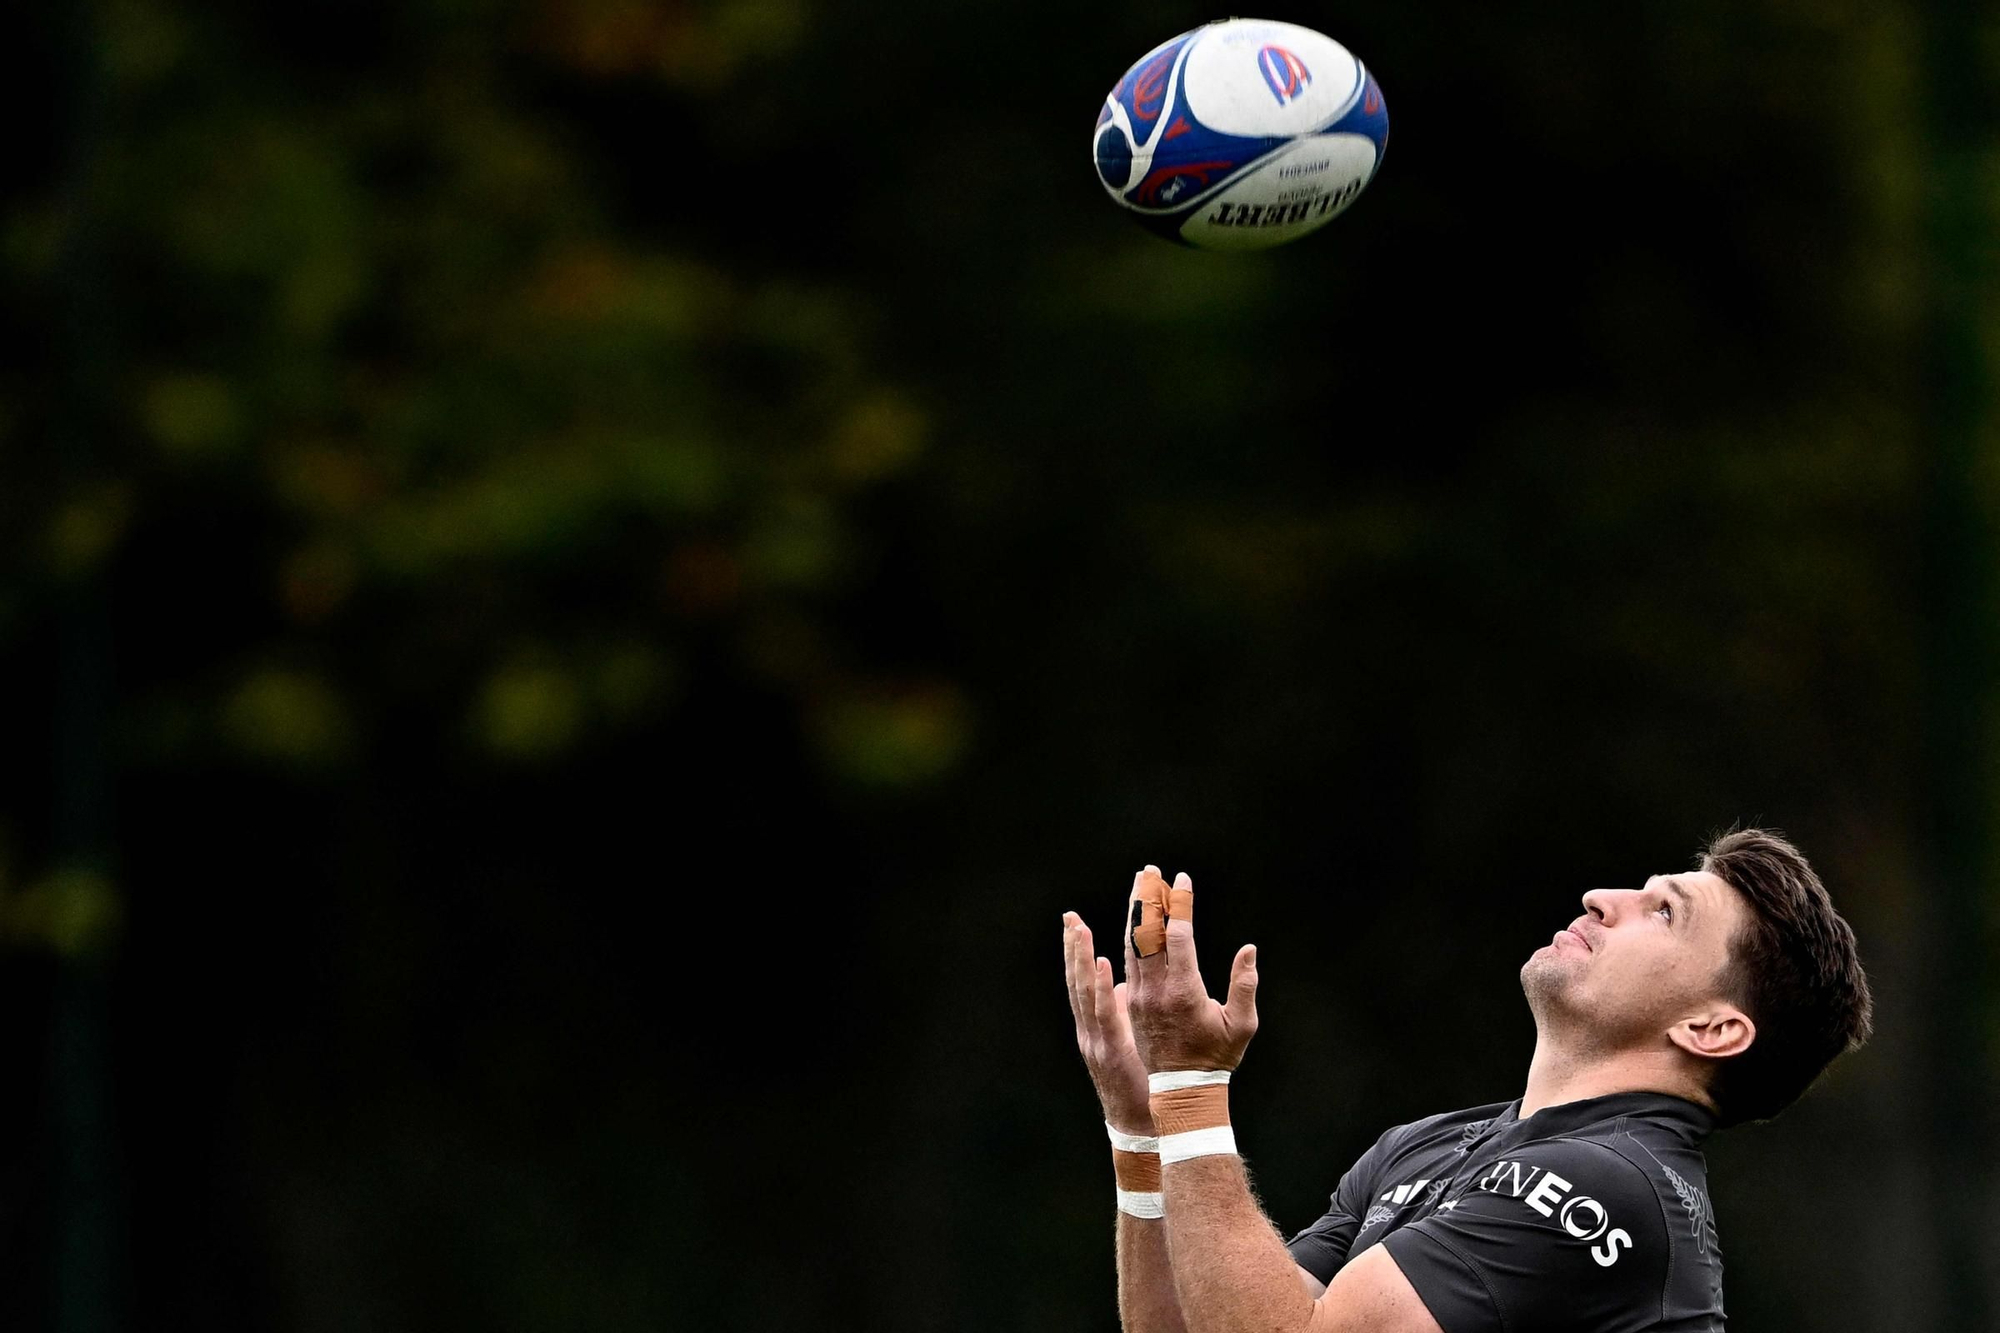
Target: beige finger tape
{"points": [[1149, 914], [1153, 905]]}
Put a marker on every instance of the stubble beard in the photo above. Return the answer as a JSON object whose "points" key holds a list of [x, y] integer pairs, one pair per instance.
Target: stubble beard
{"points": [[1567, 1019], [1551, 989]]}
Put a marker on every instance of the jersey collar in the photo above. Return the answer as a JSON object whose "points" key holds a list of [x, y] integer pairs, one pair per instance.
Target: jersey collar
{"points": [[1689, 1119]]}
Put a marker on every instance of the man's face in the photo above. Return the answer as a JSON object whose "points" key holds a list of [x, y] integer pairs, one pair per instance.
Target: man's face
{"points": [[1637, 961]]}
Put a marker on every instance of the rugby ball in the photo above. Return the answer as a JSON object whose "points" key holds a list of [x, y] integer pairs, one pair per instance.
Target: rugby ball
{"points": [[1243, 134]]}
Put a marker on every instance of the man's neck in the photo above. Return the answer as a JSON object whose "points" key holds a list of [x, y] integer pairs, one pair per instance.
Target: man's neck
{"points": [[1558, 1074]]}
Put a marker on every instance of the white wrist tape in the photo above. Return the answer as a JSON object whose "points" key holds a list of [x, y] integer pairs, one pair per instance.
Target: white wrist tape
{"points": [[1192, 1105], [1175, 1080], [1151, 1206], [1124, 1142], [1147, 1203], [1216, 1141]]}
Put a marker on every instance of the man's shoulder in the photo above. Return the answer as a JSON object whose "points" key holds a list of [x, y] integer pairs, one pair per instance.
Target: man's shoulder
{"points": [[1656, 1151], [1547, 1172], [1463, 1125], [1407, 1158], [1672, 1171], [1588, 1214], [1638, 1169]]}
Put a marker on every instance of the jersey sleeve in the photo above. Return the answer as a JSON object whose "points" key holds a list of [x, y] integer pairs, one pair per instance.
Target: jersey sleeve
{"points": [[1567, 1237], [1322, 1248]]}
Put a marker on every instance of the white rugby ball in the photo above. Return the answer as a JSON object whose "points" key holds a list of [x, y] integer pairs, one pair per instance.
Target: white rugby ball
{"points": [[1242, 134]]}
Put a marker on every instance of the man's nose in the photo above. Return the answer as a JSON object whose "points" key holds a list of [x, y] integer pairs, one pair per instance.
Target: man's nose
{"points": [[1608, 904]]}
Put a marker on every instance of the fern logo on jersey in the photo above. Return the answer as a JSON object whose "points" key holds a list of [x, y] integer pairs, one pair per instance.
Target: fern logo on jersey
{"points": [[1692, 1200]]}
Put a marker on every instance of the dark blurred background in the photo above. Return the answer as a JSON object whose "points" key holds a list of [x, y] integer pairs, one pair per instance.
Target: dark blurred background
{"points": [[585, 579]]}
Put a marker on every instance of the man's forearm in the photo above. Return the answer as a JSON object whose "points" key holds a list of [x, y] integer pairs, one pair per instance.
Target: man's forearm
{"points": [[1230, 1268], [1146, 1301]]}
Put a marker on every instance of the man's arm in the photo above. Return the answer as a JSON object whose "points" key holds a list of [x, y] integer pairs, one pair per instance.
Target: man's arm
{"points": [[1231, 1270], [1233, 1274], [1146, 1300], [1146, 1297]]}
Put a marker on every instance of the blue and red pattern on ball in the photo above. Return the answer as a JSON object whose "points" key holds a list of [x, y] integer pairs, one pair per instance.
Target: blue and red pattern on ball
{"points": [[1368, 116], [1188, 158], [1143, 90], [1284, 73], [1113, 152], [1142, 94], [1189, 161]]}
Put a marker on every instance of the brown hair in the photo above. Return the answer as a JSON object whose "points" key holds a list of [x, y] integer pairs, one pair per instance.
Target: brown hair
{"points": [[1793, 969]]}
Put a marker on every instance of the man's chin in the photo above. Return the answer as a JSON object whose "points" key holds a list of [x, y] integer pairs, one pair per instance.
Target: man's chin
{"points": [[1544, 959], [1546, 973]]}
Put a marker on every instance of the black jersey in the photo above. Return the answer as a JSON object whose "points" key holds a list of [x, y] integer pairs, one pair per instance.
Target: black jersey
{"points": [[1592, 1215]]}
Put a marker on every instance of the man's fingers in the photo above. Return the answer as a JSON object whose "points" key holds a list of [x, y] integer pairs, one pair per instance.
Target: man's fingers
{"points": [[1086, 973], [1147, 923], [1076, 968], [1241, 1010], [1125, 934], [1181, 960], [1069, 961], [1110, 1012], [1070, 978]]}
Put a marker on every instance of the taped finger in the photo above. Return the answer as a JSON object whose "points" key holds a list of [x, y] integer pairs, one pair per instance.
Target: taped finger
{"points": [[1149, 914]]}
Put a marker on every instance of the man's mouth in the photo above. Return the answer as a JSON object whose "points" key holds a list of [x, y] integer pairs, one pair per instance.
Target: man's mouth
{"points": [[1576, 935]]}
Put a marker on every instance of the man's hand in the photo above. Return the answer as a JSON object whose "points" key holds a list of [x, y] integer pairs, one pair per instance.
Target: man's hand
{"points": [[1103, 1032], [1174, 1023]]}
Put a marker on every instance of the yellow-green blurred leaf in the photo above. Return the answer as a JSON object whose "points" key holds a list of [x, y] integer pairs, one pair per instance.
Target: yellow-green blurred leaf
{"points": [[896, 740], [634, 680], [880, 435], [141, 40], [316, 581], [528, 711], [797, 545], [287, 716], [190, 415], [74, 912], [83, 531]]}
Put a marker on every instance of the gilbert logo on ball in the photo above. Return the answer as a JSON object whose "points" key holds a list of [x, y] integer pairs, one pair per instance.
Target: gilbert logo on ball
{"points": [[1243, 134]]}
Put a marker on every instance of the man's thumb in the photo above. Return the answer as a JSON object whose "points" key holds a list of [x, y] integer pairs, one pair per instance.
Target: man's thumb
{"points": [[1242, 1005]]}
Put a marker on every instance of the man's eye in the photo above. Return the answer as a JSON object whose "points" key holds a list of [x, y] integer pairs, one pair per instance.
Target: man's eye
{"points": [[1666, 910]]}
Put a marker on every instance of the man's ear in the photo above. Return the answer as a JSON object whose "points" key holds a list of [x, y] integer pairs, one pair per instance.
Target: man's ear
{"points": [[1714, 1034]]}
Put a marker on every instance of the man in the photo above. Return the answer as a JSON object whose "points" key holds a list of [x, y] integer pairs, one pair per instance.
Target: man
{"points": [[1697, 1000]]}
